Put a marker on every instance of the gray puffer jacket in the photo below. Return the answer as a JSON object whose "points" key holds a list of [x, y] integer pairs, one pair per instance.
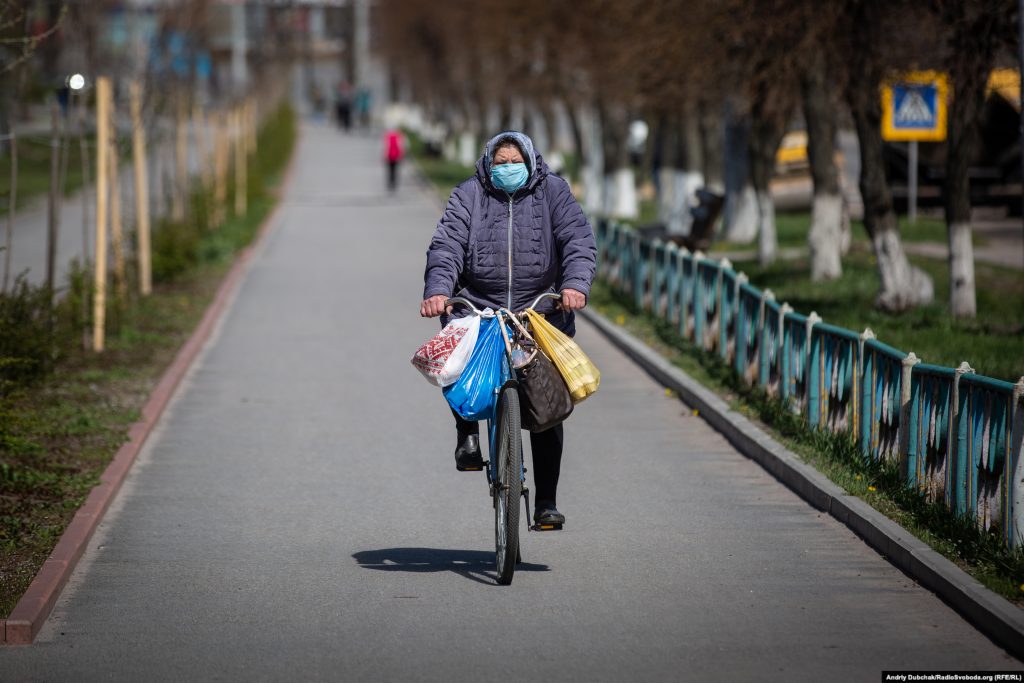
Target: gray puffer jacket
{"points": [[552, 244]]}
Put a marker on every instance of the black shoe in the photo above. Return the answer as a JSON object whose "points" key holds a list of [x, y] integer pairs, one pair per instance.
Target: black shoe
{"points": [[545, 513], [468, 457]]}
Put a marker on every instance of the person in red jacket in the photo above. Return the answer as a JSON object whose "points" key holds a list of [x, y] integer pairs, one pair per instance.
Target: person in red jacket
{"points": [[394, 152]]}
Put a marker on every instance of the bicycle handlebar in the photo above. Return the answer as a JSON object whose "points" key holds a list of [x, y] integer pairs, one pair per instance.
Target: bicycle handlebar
{"points": [[466, 302], [546, 295]]}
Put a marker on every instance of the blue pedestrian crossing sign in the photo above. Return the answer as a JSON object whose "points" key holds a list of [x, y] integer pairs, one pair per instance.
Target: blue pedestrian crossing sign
{"points": [[914, 107]]}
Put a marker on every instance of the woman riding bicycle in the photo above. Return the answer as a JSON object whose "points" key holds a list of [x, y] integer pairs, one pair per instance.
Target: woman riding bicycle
{"points": [[509, 233]]}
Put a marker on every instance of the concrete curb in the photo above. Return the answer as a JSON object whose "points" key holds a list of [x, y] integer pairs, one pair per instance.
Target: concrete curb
{"points": [[994, 616], [34, 607]]}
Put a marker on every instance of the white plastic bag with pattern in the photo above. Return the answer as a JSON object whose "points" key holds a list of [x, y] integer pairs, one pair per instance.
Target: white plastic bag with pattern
{"points": [[442, 359]]}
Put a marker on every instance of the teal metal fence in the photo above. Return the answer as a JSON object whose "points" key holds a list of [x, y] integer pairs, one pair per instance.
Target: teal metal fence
{"points": [[956, 436]]}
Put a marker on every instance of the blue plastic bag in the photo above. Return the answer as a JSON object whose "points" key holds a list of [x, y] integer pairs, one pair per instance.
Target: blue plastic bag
{"points": [[473, 396]]}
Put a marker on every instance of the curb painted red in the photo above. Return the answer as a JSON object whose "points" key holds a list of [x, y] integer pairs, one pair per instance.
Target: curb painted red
{"points": [[32, 610]]}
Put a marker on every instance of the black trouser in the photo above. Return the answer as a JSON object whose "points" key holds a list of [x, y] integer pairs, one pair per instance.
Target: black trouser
{"points": [[547, 457], [392, 175]]}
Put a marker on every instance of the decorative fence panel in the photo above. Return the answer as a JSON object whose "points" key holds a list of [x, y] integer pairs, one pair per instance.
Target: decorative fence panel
{"points": [[983, 449], [835, 368], [769, 375], [709, 279], [749, 319], [956, 436], [882, 400], [795, 357], [930, 421], [728, 303]]}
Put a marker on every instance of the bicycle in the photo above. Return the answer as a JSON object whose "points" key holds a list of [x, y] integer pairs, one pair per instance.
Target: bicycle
{"points": [[506, 474]]}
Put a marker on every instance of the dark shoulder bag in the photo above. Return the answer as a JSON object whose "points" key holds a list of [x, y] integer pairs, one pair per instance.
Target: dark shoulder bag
{"points": [[544, 400]]}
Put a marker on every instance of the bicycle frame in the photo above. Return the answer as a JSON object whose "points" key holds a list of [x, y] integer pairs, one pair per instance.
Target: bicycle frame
{"points": [[492, 420]]}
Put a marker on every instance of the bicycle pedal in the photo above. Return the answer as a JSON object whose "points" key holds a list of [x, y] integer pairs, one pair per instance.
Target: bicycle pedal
{"points": [[546, 527], [470, 469]]}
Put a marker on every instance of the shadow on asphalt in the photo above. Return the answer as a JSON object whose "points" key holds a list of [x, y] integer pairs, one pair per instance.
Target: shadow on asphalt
{"points": [[476, 565]]}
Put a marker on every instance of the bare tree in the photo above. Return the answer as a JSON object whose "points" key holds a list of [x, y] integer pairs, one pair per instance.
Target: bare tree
{"points": [[864, 40], [977, 31], [818, 90]]}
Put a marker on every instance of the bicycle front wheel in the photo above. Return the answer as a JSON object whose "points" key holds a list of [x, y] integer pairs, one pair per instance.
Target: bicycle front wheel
{"points": [[509, 486]]}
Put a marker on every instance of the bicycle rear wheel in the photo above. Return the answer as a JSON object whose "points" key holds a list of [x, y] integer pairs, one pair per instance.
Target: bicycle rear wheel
{"points": [[509, 486]]}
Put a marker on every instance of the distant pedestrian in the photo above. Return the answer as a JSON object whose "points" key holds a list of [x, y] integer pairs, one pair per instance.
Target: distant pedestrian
{"points": [[343, 104], [362, 107], [394, 152]]}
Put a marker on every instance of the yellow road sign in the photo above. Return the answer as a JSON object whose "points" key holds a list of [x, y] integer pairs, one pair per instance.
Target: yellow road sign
{"points": [[914, 107]]}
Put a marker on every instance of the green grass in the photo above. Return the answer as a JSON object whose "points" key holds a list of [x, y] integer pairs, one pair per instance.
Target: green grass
{"points": [[648, 212], [59, 431], [982, 554]]}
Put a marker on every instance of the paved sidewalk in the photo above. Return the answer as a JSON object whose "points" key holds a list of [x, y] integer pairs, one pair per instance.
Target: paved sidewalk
{"points": [[297, 514]]}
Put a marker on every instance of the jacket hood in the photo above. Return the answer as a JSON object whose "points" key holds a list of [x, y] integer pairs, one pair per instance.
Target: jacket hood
{"points": [[535, 164]]}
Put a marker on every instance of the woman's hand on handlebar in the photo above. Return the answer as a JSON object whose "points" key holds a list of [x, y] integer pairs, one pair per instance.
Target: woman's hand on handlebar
{"points": [[434, 306], [572, 300]]}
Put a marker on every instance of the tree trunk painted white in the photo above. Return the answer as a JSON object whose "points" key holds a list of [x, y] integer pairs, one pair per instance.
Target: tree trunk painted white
{"points": [[825, 237], [903, 285], [692, 181], [517, 115], [450, 149], [716, 186], [677, 225], [468, 152], [414, 118], [608, 192], [845, 230], [627, 204], [768, 241], [741, 226], [666, 194], [684, 197], [537, 130], [962, 300], [593, 188]]}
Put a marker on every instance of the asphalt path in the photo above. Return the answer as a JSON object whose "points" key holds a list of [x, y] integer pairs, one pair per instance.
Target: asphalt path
{"points": [[297, 514]]}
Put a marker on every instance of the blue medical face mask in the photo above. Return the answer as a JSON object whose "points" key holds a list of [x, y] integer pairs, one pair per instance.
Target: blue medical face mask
{"points": [[509, 177]]}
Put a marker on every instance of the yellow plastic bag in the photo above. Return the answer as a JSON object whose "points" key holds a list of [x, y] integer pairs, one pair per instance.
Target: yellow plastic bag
{"points": [[579, 373]]}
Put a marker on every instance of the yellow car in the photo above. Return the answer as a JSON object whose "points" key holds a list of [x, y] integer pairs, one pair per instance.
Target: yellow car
{"points": [[792, 153]]}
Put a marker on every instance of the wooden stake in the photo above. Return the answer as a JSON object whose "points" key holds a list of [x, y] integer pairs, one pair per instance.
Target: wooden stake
{"points": [[220, 170], [240, 142], [102, 175], [11, 208], [83, 152], [141, 190], [116, 226], [202, 147], [53, 205], [180, 163], [251, 124]]}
